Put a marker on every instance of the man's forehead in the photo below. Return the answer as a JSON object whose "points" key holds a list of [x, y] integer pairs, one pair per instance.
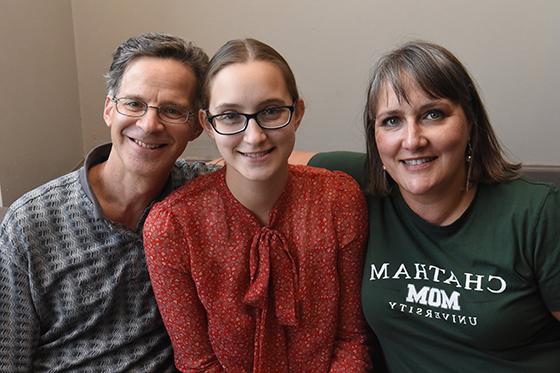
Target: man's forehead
{"points": [[164, 77]]}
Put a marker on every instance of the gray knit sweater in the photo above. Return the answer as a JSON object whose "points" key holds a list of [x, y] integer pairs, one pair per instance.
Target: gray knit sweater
{"points": [[75, 293]]}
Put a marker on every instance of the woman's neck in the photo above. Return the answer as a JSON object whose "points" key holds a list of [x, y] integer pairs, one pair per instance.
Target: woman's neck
{"points": [[259, 196], [441, 209]]}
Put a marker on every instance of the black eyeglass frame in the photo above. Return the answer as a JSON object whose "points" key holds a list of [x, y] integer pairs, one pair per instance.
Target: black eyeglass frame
{"points": [[210, 118], [189, 114]]}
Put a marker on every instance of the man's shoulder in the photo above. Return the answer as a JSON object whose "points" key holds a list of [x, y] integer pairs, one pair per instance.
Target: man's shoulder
{"points": [[193, 192], [40, 213], [53, 194], [186, 170]]}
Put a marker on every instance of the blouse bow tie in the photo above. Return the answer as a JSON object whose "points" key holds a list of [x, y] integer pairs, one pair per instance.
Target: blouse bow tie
{"points": [[270, 260]]}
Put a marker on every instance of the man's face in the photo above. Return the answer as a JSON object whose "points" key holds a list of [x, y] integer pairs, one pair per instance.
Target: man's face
{"points": [[145, 146]]}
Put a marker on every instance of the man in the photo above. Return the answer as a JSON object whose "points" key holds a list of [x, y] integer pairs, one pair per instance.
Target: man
{"points": [[74, 289]]}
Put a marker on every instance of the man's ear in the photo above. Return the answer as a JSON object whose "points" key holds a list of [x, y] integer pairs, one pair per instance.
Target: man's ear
{"points": [[195, 127], [299, 110], [205, 125], [107, 111]]}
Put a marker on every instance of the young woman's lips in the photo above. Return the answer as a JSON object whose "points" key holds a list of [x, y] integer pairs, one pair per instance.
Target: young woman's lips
{"points": [[256, 155]]}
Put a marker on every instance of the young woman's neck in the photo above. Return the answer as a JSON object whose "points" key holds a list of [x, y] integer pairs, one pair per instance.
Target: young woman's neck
{"points": [[257, 196]]}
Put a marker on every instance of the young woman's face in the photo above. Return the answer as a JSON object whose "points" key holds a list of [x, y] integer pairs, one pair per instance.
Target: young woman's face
{"points": [[255, 154], [422, 142]]}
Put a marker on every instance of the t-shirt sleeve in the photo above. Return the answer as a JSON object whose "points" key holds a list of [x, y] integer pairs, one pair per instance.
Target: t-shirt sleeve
{"points": [[352, 163], [547, 253]]}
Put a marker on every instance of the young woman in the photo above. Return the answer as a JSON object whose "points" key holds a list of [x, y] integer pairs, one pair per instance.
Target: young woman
{"points": [[257, 267], [463, 271]]}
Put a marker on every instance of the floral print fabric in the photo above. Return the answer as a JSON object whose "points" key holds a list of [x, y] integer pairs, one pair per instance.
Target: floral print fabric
{"points": [[239, 296]]}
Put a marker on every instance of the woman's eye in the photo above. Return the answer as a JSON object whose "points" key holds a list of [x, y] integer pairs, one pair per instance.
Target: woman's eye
{"points": [[390, 122], [433, 115]]}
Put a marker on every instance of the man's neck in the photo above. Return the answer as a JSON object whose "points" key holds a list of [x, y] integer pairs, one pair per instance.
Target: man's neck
{"points": [[123, 197]]}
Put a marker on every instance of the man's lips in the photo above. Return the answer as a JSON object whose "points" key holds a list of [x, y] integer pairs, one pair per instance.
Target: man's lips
{"points": [[146, 145]]}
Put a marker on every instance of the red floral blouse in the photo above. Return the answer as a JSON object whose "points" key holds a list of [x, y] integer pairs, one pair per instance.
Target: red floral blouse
{"points": [[237, 296]]}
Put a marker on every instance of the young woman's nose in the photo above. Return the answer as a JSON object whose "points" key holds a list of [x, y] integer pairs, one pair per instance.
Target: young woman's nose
{"points": [[254, 134]]}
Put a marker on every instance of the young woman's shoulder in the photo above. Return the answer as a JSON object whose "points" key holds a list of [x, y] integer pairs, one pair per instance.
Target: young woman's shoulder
{"points": [[324, 180], [193, 191]]}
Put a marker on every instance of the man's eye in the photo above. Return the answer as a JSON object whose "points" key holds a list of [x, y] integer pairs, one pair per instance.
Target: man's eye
{"points": [[170, 110], [134, 105]]}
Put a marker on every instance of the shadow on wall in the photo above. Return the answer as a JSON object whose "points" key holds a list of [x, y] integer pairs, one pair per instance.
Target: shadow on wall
{"points": [[549, 174]]}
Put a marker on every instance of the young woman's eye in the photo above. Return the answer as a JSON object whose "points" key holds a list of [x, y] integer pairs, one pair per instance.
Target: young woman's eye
{"points": [[271, 111], [229, 118], [433, 115]]}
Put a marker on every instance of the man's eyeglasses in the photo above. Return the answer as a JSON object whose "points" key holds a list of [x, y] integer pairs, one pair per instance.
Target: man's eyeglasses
{"points": [[169, 114], [231, 123]]}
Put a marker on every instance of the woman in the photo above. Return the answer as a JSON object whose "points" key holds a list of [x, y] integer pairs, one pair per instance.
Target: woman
{"points": [[462, 271], [257, 267]]}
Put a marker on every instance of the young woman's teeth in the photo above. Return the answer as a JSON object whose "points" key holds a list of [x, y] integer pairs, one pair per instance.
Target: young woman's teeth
{"points": [[256, 155]]}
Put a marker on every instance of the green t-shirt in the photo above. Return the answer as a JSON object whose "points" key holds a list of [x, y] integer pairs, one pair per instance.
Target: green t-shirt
{"points": [[473, 296]]}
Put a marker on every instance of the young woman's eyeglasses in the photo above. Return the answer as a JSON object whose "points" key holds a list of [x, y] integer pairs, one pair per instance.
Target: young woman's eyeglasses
{"points": [[231, 123], [168, 114]]}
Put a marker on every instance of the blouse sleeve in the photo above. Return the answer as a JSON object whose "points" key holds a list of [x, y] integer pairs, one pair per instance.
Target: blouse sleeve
{"points": [[182, 312], [547, 253], [351, 353]]}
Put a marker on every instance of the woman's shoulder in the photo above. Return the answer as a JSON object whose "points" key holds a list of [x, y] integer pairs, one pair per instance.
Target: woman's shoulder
{"points": [[521, 193], [521, 188]]}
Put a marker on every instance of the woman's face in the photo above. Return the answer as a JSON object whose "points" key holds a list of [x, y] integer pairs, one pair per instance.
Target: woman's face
{"points": [[422, 142], [255, 154]]}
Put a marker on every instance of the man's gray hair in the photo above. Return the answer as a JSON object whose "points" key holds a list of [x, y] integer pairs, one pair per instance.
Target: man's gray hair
{"points": [[160, 46]]}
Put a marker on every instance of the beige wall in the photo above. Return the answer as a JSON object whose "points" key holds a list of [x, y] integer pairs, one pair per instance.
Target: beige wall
{"points": [[40, 129], [510, 47]]}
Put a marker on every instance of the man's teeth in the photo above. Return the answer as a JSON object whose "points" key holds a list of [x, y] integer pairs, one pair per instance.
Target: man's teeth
{"points": [[146, 146], [415, 162]]}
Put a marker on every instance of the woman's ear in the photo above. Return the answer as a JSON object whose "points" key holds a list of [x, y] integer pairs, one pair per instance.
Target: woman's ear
{"points": [[206, 126], [299, 111]]}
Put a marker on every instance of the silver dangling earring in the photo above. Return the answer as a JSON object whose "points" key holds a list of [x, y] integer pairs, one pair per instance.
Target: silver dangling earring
{"points": [[385, 176], [469, 160]]}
